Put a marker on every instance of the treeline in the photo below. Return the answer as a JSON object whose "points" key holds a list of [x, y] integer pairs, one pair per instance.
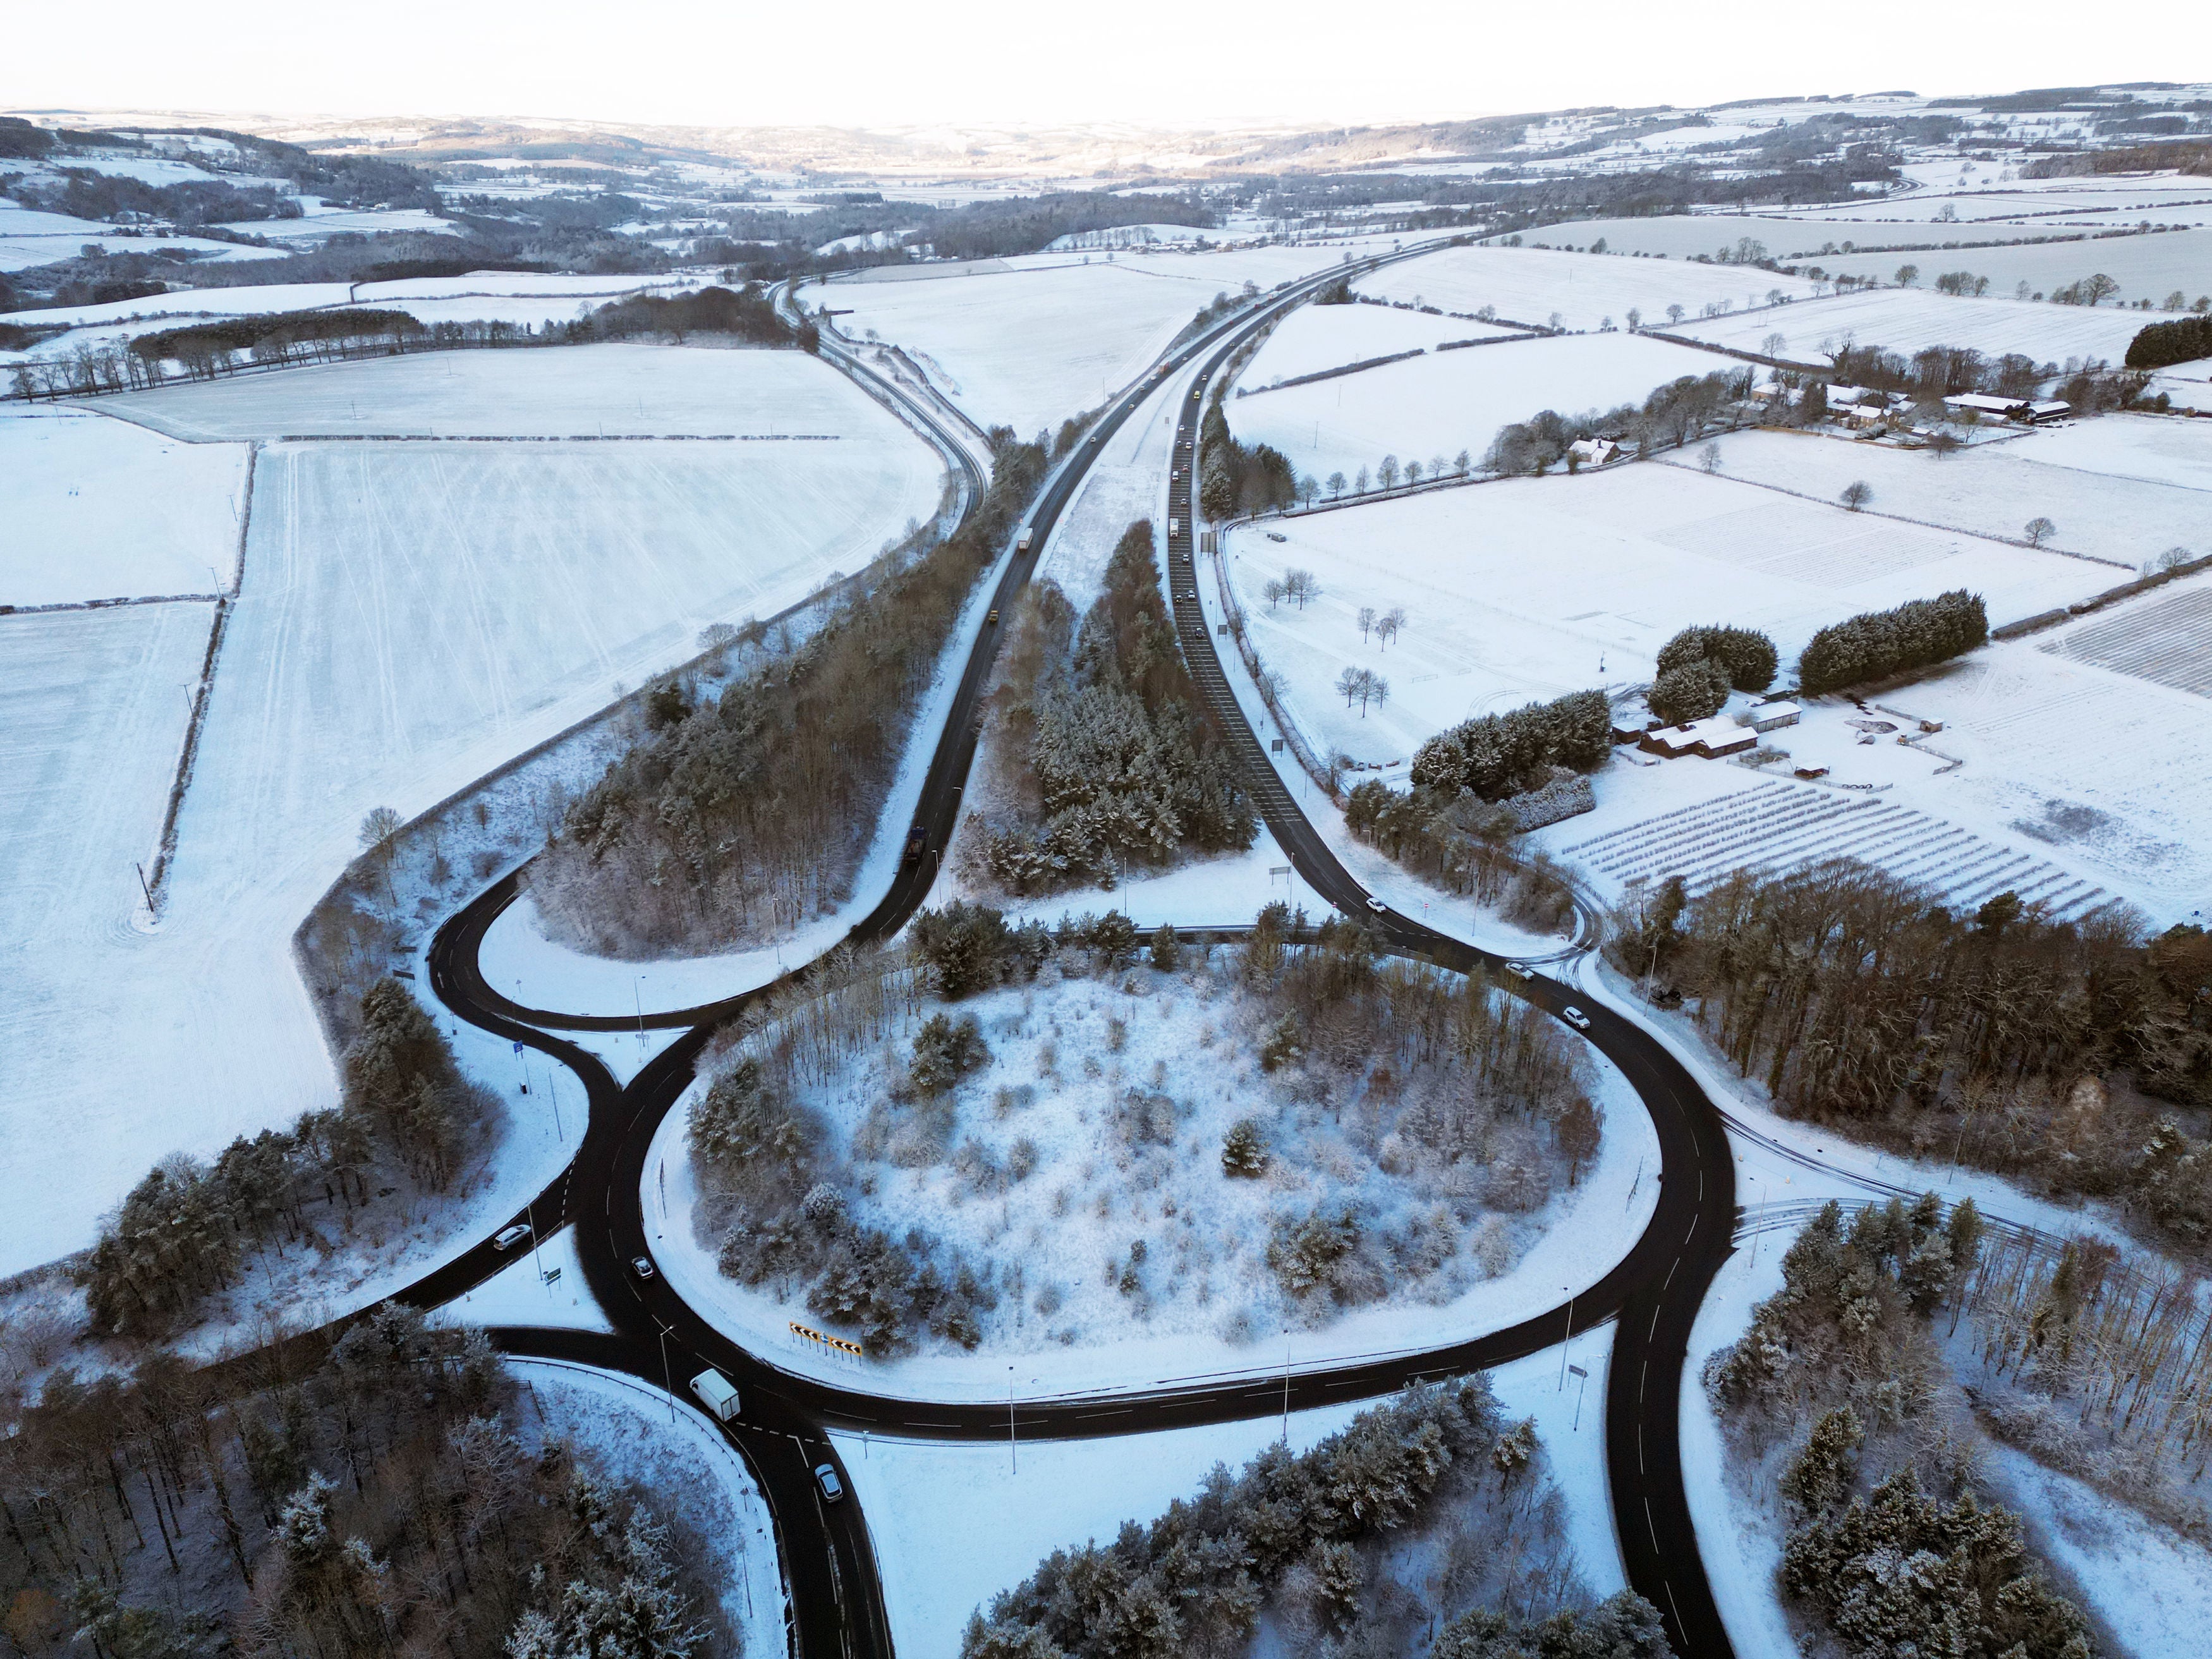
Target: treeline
{"points": [[1456, 823], [984, 230], [1876, 644], [187, 1230], [2024, 1045], [1233, 478], [274, 337], [736, 816], [379, 1503], [1121, 766], [189, 205], [1301, 1529], [1847, 1337], [2181, 341], [1495, 756], [1671, 415], [747, 313], [1937, 372]]}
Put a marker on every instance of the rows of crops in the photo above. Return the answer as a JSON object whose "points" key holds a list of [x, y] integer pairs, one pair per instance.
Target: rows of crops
{"points": [[1780, 825]]}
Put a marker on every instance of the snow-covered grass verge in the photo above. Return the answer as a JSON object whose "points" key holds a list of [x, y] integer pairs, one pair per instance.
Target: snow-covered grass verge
{"points": [[688, 1468], [1118, 1251], [100, 510]]}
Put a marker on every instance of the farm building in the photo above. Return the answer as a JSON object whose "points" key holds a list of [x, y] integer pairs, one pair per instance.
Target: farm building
{"points": [[1594, 452], [1772, 716], [1711, 738]]}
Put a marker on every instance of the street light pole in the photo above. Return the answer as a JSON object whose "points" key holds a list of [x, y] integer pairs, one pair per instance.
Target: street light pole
{"points": [[1013, 1457], [667, 1381], [1566, 1341]]}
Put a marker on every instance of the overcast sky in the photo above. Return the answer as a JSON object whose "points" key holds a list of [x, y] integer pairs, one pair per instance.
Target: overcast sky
{"points": [[740, 62]]}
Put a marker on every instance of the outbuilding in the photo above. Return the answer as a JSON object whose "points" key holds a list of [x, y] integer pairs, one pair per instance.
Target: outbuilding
{"points": [[1772, 716]]}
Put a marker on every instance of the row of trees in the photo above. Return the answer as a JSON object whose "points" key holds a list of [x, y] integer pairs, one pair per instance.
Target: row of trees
{"points": [[380, 1502], [2182, 341], [1670, 417], [187, 1229], [1876, 644], [743, 814], [1234, 479], [2029, 1046], [1494, 756], [1122, 766]]}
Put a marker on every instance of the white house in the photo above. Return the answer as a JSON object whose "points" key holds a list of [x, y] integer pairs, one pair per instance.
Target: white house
{"points": [[1594, 452]]}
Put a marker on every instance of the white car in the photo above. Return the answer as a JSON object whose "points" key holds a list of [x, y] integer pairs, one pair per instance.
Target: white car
{"points": [[1375, 904], [833, 1489], [508, 1237], [1518, 969], [1575, 1017]]}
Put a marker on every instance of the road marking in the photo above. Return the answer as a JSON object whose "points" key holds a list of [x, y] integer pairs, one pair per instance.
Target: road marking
{"points": [[1640, 1440], [1654, 1526], [1642, 1377]]}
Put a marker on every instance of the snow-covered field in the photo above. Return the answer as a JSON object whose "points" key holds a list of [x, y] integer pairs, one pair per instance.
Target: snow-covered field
{"points": [[2123, 488], [1316, 337], [1439, 405], [1028, 345], [2146, 267], [619, 390], [1907, 319], [412, 615], [100, 510], [1210, 1305], [1527, 284], [94, 712], [557, 289], [29, 237], [1531, 587]]}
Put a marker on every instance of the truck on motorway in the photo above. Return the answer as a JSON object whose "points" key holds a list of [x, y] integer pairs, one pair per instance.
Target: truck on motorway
{"points": [[1021, 543], [716, 1392]]}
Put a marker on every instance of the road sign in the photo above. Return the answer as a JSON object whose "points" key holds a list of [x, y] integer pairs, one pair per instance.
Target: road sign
{"points": [[1576, 1371], [518, 1045]]}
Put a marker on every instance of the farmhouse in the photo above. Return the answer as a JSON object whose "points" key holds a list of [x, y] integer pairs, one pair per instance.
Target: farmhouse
{"points": [[1594, 452]]}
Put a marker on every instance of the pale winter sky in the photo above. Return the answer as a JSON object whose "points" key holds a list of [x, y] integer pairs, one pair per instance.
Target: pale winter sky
{"points": [[742, 62]]}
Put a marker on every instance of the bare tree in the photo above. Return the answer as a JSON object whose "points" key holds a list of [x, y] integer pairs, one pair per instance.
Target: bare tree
{"points": [[2039, 530], [1907, 275], [1300, 585], [1335, 484], [1635, 320], [1710, 457], [1857, 493], [1387, 624], [1774, 344], [1388, 472], [2173, 558], [1461, 462], [1673, 313], [1275, 592], [1366, 620]]}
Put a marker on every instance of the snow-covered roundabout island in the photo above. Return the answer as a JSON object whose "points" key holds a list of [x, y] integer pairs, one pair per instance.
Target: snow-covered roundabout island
{"points": [[1114, 1162]]}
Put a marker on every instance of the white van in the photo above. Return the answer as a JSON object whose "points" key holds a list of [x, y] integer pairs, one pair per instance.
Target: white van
{"points": [[715, 1393]]}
